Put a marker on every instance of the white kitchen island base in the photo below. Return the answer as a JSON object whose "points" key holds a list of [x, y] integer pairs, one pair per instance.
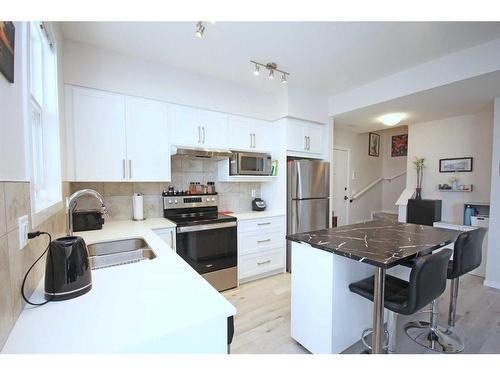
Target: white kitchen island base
{"points": [[325, 316]]}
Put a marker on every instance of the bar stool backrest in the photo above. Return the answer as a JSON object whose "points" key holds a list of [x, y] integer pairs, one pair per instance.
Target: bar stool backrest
{"points": [[467, 252], [427, 279]]}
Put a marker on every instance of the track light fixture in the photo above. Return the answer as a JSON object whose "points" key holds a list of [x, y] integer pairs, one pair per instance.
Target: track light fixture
{"points": [[200, 29], [272, 67]]}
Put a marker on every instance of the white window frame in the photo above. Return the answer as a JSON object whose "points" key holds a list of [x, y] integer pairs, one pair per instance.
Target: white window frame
{"points": [[44, 143]]}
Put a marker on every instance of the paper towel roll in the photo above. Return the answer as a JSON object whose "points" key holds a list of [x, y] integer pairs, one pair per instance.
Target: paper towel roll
{"points": [[138, 206]]}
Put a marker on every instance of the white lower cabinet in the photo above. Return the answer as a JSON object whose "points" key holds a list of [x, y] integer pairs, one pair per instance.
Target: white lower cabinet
{"points": [[261, 247], [167, 235]]}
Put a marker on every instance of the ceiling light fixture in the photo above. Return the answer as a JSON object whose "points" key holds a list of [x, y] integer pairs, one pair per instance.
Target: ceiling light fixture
{"points": [[200, 29], [391, 119], [272, 67]]}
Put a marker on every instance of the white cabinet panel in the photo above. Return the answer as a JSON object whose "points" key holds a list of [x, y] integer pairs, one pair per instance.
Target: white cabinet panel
{"points": [[249, 134], [305, 137], [214, 129], [147, 140], [262, 135], [168, 236], [99, 145], [199, 128], [186, 126]]}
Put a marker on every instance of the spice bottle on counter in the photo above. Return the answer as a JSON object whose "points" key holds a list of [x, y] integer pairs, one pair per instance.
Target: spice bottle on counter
{"points": [[210, 187]]}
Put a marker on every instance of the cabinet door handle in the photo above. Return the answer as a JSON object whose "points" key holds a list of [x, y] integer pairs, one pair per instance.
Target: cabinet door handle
{"points": [[203, 129], [266, 240], [172, 239], [265, 262], [124, 165], [305, 142], [199, 134], [254, 141], [268, 223], [308, 143], [129, 168]]}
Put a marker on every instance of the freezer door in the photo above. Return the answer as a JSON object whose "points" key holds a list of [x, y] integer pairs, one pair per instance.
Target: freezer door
{"points": [[308, 179]]}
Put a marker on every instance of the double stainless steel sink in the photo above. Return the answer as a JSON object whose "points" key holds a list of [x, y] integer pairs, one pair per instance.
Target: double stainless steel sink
{"points": [[119, 252]]}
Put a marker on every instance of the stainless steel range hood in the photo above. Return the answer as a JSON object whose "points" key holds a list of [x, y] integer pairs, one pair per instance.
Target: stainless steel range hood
{"points": [[201, 152]]}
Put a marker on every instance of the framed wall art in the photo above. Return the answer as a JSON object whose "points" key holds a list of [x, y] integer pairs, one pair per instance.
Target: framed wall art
{"points": [[399, 145], [7, 33], [374, 144], [452, 165]]}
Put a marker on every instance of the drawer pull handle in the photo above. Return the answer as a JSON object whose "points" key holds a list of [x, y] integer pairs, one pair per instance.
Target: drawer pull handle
{"points": [[261, 263], [268, 223], [261, 241]]}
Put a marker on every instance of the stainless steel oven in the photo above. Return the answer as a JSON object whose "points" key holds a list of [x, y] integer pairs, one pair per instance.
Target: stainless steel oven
{"points": [[205, 239], [250, 163]]}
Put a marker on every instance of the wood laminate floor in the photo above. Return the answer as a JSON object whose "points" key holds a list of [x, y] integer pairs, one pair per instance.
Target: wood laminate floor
{"points": [[262, 324]]}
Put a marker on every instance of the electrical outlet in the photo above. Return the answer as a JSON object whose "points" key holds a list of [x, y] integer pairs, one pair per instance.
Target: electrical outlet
{"points": [[254, 193], [23, 227]]}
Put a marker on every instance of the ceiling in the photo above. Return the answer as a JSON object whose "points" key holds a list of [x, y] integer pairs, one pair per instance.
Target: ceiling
{"points": [[469, 96], [325, 57]]}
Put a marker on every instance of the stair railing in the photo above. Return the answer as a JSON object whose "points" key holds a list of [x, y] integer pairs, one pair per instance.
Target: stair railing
{"points": [[373, 184]]}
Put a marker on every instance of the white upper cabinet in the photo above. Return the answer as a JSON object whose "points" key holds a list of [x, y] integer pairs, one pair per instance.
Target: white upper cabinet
{"points": [[97, 135], [199, 128], [305, 137], [148, 151], [249, 134], [112, 137]]}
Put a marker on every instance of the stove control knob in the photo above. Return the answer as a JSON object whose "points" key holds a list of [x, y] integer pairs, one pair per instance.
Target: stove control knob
{"points": [[208, 199], [176, 201], [170, 201], [213, 199]]}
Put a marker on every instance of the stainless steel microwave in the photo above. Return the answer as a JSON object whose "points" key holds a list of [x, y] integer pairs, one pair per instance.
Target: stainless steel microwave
{"points": [[250, 163]]}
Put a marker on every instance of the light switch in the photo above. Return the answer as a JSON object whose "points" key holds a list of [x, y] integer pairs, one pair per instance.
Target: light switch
{"points": [[22, 224], [253, 193]]}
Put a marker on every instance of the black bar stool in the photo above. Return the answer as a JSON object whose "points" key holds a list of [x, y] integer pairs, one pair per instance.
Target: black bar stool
{"points": [[467, 256], [427, 282]]}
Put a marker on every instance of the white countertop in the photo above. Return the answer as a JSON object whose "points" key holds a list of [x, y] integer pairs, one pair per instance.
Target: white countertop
{"points": [[250, 215], [129, 308]]}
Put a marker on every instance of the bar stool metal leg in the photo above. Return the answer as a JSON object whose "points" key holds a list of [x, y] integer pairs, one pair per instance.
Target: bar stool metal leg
{"points": [[431, 336], [453, 302]]}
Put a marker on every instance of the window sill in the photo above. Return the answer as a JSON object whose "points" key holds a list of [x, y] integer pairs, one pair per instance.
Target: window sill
{"points": [[45, 213]]}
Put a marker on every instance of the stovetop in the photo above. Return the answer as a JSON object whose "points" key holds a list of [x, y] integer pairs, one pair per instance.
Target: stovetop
{"points": [[197, 219]]}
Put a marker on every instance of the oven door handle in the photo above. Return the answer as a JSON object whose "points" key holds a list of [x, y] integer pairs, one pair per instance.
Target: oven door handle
{"points": [[197, 228]]}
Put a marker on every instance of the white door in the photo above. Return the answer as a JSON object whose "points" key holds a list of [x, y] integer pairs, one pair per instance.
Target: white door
{"points": [[148, 151], [262, 135], [295, 137], [214, 131], [98, 135], [314, 134], [187, 124], [240, 133], [340, 186]]}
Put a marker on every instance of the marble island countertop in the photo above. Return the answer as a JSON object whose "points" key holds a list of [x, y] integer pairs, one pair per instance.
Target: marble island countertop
{"points": [[380, 243], [153, 306]]}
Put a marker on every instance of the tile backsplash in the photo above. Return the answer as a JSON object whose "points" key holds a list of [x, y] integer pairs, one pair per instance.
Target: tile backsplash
{"points": [[233, 196], [15, 202]]}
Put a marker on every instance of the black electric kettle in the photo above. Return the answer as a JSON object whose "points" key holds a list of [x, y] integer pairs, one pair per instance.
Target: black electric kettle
{"points": [[67, 270]]}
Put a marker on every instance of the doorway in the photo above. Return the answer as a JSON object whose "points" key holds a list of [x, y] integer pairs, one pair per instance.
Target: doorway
{"points": [[341, 168]]}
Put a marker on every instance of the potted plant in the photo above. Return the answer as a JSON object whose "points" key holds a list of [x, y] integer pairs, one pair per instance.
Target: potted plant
{"points": [[454, 181], [419, 164]]}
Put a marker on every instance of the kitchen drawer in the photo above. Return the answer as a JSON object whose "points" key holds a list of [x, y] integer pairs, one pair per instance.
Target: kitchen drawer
{"points": [[263, 262], [267, 223], [252, 242]]}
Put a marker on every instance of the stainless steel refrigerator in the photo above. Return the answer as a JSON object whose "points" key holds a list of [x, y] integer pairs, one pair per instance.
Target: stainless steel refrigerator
{"points": [[308, 192]]}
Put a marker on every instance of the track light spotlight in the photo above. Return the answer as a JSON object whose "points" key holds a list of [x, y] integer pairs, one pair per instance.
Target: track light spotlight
{"points": [[256, 72], [200, 29], [283, 78], [271, 74]]}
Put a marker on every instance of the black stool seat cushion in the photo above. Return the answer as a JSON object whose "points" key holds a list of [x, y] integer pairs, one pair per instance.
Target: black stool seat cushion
{"points": [[395, 293], [467, 253], [427, 282]]}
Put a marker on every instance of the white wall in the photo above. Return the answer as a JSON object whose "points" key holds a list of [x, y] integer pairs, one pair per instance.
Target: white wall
{"points": [[493, 265], [467, 63], [12, 155], [391, 166], [449, 138], [366, 169], [105, 69]]}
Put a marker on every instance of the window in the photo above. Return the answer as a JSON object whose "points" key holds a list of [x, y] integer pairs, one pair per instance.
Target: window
{"points": [[43, 117]]}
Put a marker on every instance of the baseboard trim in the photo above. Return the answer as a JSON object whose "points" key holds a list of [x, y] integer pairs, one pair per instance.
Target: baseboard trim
{"points": [[491, 284]]}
